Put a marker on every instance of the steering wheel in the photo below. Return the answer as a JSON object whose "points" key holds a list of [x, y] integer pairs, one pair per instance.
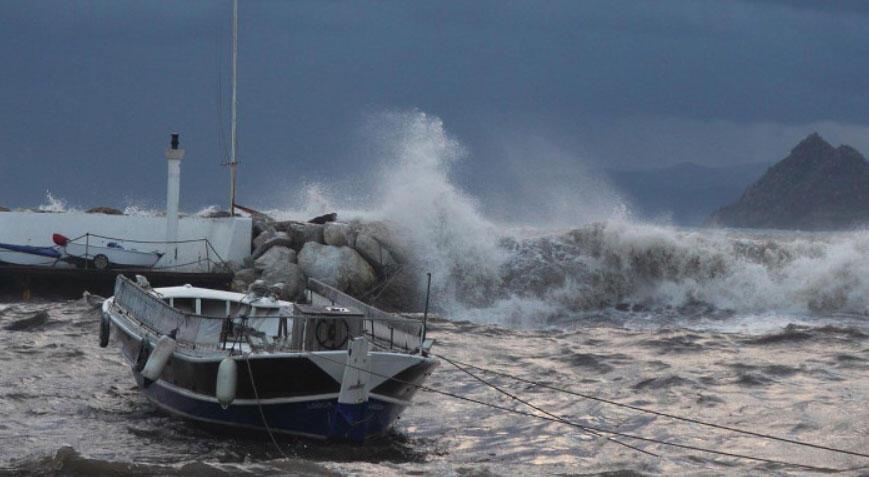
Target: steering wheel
{"points": [[328, 334]]}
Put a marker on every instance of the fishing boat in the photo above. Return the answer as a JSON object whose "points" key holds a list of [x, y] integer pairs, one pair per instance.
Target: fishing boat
{"points": [[331, 368], [12, 254], [109, 255]]}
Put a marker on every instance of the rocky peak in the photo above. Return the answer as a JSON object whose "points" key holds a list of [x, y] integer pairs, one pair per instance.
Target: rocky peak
{"points": [[849, 152], [812, 144], [817, 186]]}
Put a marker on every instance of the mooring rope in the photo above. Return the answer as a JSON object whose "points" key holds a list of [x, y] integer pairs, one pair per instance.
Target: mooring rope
{"points": [[259, 406], [430, 389], [658, 413], [539, 409]]}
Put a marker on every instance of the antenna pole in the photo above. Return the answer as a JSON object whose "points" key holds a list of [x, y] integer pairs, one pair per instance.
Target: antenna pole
{"points": [[233, 162]]}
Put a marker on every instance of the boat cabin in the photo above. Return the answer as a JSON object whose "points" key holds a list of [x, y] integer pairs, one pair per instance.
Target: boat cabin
{"points": [[207, 319]]}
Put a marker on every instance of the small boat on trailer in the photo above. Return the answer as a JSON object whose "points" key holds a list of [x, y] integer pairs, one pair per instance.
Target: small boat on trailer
{"points": [[333, 368], [111, 254], [70, 253]]}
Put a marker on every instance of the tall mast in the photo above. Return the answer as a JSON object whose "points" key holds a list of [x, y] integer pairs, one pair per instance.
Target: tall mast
{"points": [[233, 162]]}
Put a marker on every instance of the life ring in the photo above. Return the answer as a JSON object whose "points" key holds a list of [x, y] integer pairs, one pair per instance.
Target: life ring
{"points": [[327, 333], [105, 330]]}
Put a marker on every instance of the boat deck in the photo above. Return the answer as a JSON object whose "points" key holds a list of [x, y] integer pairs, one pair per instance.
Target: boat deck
{"points": [[20, 281]]}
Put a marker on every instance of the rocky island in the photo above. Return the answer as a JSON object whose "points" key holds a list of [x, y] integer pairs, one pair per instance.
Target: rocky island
{"points": [[816, 187]]}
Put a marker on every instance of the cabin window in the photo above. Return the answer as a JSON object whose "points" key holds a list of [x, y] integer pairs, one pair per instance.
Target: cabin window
{"points": [[186, 305], [214, 307]]}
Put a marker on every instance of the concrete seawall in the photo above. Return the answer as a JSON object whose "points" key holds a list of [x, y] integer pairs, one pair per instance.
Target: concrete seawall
{"points": [[230, 237]]}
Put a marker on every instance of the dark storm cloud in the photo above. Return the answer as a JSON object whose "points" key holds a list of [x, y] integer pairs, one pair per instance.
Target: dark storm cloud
{"points": [[91, 89]]}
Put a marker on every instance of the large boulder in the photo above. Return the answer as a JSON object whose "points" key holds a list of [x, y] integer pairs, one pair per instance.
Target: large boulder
{"points": [[281, 239], [262, 238], [259, 288], [247, 262], [308, 232], [302, 233], [322, 219], [243, 278], [388, 235], [239, 286], [376, 254], [275, 258], [233, 265], [262, 223], [247, 275], [341, 267], [292, 284], [339, 234], [280, 270]]}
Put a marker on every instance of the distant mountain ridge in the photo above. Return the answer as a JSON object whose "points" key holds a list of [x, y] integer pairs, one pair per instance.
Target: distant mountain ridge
{"points": [[684, 193], [816, 187]]}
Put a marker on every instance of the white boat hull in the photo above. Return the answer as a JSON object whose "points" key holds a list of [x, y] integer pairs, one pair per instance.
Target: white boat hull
{"points": [[19, 258], [117, 257]]}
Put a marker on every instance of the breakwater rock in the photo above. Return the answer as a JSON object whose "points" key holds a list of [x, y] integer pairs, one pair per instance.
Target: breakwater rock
{"points": [[359, 258]]}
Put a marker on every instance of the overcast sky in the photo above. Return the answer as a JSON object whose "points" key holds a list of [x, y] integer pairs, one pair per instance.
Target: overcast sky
{"points": [[91, 89]]}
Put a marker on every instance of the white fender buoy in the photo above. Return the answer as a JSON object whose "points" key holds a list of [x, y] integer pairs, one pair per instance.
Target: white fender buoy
{"points": [[227, 380], [158, 359]]}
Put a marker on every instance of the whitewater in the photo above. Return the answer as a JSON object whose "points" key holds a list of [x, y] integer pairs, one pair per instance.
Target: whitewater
{"points": [[767, 330]]}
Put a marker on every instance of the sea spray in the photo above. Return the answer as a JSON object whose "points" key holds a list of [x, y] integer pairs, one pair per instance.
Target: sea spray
{"points": [[53, 204], [530, 273], [643, 266], [440, 223], [414, 203]]}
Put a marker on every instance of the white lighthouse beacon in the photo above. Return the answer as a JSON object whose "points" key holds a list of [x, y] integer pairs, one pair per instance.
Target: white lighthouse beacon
{"points": [[173, 196]]}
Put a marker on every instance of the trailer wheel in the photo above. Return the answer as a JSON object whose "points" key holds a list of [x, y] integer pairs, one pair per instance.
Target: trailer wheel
{"points": [[101, 262]]}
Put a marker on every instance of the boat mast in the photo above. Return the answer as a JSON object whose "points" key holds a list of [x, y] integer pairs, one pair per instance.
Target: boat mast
{"points": [[233, 162]]}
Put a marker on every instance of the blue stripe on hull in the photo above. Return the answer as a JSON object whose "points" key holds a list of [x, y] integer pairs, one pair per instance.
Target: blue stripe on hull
{"points": [[316, 418], [49, 252]]}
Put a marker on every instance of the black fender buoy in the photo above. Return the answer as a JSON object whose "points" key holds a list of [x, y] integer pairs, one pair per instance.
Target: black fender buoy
{"points": [[142, 356], [105, 330]]}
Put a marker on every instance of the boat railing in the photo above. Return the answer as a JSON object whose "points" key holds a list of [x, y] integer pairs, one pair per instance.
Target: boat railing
{"points": [[385, 329], [282, 332], [207, 257]]}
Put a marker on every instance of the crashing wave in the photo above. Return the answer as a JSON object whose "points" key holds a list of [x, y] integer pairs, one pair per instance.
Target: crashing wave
{"points": [[486, 271]]}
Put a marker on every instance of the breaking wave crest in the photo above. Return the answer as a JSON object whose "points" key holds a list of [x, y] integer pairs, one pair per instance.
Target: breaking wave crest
{"points": [[491, 271], [639, 266]]}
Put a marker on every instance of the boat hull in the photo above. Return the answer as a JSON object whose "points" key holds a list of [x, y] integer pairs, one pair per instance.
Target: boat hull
{"points": [[27, 255], [117, 257], [294, 394], [307, 416]]}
